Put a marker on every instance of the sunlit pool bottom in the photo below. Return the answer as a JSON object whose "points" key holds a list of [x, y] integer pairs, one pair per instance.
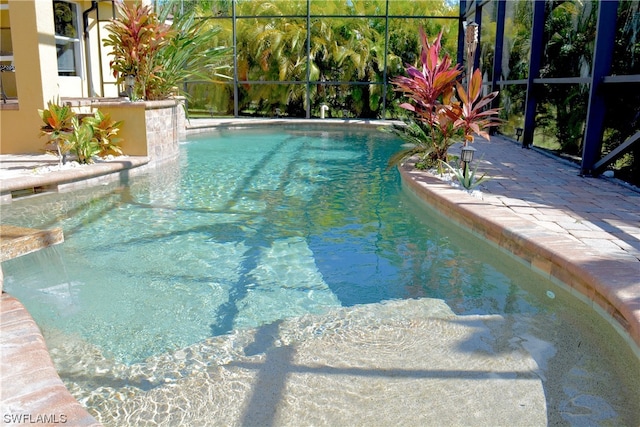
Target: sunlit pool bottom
{"points": [[176, 299]]}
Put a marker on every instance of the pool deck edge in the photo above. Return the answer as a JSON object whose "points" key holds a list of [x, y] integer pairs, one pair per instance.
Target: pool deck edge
{"points": [[590, 275], [30, 173], [32, 392]]}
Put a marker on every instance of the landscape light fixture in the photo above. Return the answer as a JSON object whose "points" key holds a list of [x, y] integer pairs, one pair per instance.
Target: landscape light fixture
{"points": [[466, 156], [472, 31], [471, 37], [519, 133], [467, 153]]}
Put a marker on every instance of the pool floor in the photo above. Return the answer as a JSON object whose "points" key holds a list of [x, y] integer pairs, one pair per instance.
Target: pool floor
{"points": [[396, 363]]}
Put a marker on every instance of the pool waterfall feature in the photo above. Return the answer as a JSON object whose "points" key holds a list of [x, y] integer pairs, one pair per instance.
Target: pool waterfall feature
{"points": [[277, 344], [31, 385], [19, 241]]}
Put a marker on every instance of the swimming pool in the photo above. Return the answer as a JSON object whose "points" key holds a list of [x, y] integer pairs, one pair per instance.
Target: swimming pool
{"points": [[178, 269]]}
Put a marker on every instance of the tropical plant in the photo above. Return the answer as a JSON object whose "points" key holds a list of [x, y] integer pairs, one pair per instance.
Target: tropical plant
{"points": [[418, 135], [82, 141], [191, 54], [439, 100], [161, 56], [58, 125], [466, 178], [474, 118], [135, 39], [272, 49], [348, 45], [569, 36], [94, 135], [431, 89], [105, 131]]}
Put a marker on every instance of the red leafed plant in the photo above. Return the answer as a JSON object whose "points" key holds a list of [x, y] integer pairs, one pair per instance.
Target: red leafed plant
{"points": [[474, 117], [444, 112], [160, 56], [136, 38], [430, 88]]}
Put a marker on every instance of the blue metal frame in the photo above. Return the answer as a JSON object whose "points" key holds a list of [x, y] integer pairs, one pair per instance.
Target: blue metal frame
{"points": [[592, 162], [602, 57], [463, 12], [537, 36], [498, 50]]}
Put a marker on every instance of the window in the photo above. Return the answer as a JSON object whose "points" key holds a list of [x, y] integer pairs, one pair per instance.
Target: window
{"points": [[67, 27]]}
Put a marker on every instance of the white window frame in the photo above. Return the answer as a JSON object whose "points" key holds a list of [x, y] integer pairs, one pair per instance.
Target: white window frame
{"points": [[76, 42]]}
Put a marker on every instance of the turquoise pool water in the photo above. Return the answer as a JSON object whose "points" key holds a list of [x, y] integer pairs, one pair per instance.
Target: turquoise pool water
{"points": [[250, 227]]}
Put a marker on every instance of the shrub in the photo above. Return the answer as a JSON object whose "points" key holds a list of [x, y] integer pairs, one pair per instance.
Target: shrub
{"points": [[94, 135]]}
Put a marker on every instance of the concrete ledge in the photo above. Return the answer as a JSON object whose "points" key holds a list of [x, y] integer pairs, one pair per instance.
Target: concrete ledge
{"points": [[195, 126], [590, 275], [31, 391], [18, 241], [67, 179], [79, 103]]}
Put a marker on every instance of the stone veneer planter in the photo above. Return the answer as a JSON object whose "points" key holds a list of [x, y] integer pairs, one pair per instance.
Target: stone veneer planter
{"points": [[150, 128]]}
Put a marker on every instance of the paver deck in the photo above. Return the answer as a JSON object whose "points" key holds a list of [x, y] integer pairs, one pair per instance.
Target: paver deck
{"points": [[584, 232]]}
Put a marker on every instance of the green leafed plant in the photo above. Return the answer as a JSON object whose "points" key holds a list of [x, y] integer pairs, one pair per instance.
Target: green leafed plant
{"points": [[466, 178], [105, 131], [190, 54], [58, 124], [94, 135], [420, 142], [82, 141], [161, 56], [415, 135]]}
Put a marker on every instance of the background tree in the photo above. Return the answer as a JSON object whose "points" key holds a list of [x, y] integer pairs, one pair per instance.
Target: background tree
{"points": [[568, 40], [622, 119]]}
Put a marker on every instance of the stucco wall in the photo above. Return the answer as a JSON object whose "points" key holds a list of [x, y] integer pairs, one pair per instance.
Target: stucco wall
{"points": [[150, 128], [34, 53], [35, 80]]}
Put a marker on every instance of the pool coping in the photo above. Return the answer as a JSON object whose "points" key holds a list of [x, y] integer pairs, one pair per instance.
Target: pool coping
{"points": [[603, 288], [32, 391], [34, 181], [596, 279]]}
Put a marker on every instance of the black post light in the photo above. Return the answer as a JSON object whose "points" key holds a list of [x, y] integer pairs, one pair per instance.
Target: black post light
{"points": [[466, 155], [519, 133]]}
